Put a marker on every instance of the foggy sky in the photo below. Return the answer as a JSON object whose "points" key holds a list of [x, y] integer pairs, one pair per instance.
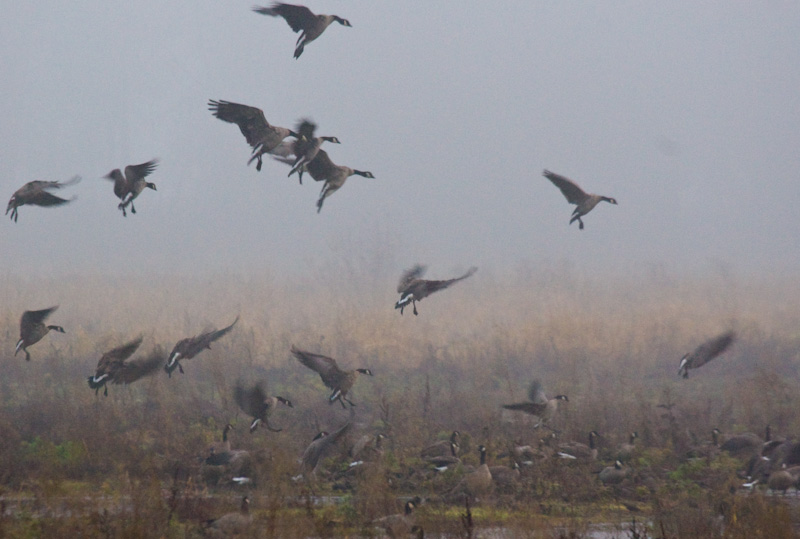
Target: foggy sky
{"points": [[687, 114]]}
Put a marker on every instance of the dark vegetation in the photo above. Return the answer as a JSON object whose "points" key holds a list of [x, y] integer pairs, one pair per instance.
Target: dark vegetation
{"points": [[131, 464]]}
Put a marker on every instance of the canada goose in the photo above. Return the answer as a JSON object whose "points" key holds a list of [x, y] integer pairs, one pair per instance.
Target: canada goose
{"points": [[441, 462], [413, 288], [32, 329], [231, 524], [743, 445], [219, 448], [302, 20], [475, 482], [260, 135], [505, 477], [705, 353], [321, 168], [613, 475], [114, 366], [368, 447], [538, 404], [307, 147], [442, 447], [577, 450], [132, 183], [341, 382], [781, 480], [399, 524], [191, 346], [626, 450], [320, 445], [36, 193], [254, 402], [575, 195]]}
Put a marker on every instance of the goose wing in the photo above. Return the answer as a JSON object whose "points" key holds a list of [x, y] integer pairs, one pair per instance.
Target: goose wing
{"points": [[410, 275], [536, 393], [250, 400], [204, 340], [298, 17], [712, 348], [142, 170], [570, 189], [434, 286], [323, 365], [251, 121], [32, 318], [321, 166], [139, 367]]}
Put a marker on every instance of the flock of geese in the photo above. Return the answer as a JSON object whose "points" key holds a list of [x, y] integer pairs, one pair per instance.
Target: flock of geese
{"points": [[304, 154]]}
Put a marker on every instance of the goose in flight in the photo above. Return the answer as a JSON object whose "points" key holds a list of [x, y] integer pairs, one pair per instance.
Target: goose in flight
{"points": [[575, 195], [302, 20], [37, 193]]}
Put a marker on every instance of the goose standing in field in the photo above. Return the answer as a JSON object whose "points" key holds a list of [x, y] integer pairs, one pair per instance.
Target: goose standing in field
{"points": [[341, 382], [442, 461], [575, 195], [474, 483], [254, 402], [627, 450], [191, 346], [131, 185], [321, 168], [222, 459], [302, 20], [306, 148], [538, 405], [260, 135], [231, 524], [37, 193], [705, 353], [114, 366], [412, 288], [320, 445], [32, 329], [367, 448]]}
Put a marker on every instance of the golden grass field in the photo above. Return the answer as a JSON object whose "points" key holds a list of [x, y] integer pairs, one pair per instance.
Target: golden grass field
{"points": [[611, 345]]}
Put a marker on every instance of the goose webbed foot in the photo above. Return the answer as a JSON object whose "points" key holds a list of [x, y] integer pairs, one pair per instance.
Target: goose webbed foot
{"points": [[415, 309], [580, 224], [105, 391], [180, 368], [133, 208], [258, 164]]}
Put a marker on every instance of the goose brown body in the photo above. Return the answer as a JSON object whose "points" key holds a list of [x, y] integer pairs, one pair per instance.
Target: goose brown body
{"points": [[338, 380], [303, 20], [32, 329], [413, 288]]}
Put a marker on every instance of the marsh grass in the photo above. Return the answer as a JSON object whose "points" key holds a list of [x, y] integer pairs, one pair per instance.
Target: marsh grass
{"points": [[612, 346]]}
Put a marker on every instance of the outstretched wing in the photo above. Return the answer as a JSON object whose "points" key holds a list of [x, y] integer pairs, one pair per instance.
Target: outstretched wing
{"points": [[251, 120], [712, 348], [536, 393], [123, 352], [410, 275], [320, 167], [250, 400], [137, 172], [325, 366], [531, 408], [43, 198], [433, 286], [30, 318], [205, 340], [570, 189], [298, 17], [139, 368]]}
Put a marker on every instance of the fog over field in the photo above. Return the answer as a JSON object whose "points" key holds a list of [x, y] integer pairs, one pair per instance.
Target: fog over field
{"points": [[686, 114]]}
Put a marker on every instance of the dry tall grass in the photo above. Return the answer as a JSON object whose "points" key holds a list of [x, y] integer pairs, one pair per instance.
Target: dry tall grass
{"points": [[611, 345]]}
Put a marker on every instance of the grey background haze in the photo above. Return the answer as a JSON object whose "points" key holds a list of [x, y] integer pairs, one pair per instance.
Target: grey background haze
{"points": [[687, 113]]}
